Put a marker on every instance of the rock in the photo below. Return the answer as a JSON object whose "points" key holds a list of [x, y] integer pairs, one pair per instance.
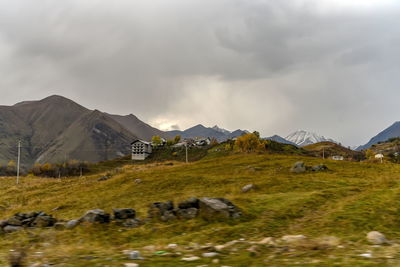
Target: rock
{"points": [[190, 259], [215, 261], [43, 221], [187, 214], [96, 216], [162, 210], [366, 255], [3, 223], [210, 255], [122, 214], [72, 224], [172, 246], [134, 255], [298, 167], [328, 241], [190, 203], [376, 238], [104, 178], [12, 228], [15, 221], [267, 241], [131, 265], [59, 226], [293, 239], [218, 208], [138, 181], [318, 168], [248, 187], [132, 223], [226, 245], [168, 216]]}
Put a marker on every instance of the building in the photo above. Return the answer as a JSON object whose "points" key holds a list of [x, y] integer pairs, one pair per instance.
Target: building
{"points": [[338, 158], [380, 157], [141, 149]]}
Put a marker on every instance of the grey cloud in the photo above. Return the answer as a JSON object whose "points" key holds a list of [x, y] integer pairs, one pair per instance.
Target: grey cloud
{"points": [[274, 66]]}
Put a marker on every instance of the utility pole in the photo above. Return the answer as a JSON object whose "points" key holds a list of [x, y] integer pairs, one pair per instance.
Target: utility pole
{"points": [[19, 160], [323, 153], [187, 160]]}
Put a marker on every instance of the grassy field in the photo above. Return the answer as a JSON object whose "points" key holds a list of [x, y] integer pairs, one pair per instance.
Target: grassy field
{"points": [[347, 201]]}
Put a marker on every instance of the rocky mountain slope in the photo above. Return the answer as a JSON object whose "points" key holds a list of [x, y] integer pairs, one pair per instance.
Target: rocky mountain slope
{"points": [[202, 131], [390, 132], [56, 129], [280, 139], [304, 138]]}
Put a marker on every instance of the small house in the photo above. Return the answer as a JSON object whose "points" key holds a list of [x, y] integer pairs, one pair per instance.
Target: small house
{"points": [[338, 158], [140, 150], [203, 142]]}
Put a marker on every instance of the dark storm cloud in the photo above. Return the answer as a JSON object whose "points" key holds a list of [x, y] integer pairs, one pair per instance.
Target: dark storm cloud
{"points": [[275, 66]]}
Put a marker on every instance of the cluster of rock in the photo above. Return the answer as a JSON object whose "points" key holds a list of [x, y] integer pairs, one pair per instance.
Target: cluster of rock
{"points": [[207, 208], [125, 217], [300, 167], [19, 221]]}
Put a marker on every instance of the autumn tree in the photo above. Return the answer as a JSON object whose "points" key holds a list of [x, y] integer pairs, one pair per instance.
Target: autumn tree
{"points": [[156, 140], [177, 139], [248, 142]]}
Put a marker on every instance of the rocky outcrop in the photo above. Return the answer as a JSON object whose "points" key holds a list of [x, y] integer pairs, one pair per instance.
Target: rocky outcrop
{"points": [[218, 208], [208, 208], [20, 221]]}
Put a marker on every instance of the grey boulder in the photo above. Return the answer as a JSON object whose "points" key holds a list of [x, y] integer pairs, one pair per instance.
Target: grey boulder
{"points": [[298, 167], [95, 216], [218, 208]]}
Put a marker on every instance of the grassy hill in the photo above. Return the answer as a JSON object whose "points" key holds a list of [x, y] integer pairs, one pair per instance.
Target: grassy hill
{"points": [[347, 201], [332, 149]]}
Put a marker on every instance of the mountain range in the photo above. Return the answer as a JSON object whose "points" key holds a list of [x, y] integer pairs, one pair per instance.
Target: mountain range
{"points": [[56, 129], [390, 132], [212, 132]]}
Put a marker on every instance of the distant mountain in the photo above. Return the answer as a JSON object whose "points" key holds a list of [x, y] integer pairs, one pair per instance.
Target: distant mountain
{"points": [[280, 139], [202, 131], [56, 129], [221, 130], [138, 127], [304, 138], [390, 132]]}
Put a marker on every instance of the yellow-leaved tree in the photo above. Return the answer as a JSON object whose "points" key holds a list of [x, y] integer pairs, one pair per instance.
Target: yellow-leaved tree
{"points": [[249, 142]]}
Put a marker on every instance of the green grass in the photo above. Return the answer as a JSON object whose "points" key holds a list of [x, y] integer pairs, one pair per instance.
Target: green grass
{"points": [[347, 201]]}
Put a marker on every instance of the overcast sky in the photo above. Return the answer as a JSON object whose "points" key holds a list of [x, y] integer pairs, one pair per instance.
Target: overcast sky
{"points": [[328, 66]]}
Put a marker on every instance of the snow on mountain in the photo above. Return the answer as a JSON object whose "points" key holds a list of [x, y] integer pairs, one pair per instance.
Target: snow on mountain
{"points": [[221, 130], [304, 138]]}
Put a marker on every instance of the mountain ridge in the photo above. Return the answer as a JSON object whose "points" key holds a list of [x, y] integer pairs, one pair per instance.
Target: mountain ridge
{"points": [[304, 138]]}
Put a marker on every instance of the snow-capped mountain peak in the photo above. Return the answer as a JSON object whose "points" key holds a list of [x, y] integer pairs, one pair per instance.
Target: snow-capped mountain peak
{"points": [[220, 130], [304, 138]]}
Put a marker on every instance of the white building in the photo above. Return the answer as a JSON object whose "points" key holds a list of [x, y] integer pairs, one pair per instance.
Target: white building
{"points": [[140, 149], [338, 158]]}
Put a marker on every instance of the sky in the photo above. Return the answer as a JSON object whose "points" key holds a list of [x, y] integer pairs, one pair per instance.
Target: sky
{"points": [[327, 66]]}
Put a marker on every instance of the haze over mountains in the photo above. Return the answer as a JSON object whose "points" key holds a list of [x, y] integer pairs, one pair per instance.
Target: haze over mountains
{"points": [[212, 132]]}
